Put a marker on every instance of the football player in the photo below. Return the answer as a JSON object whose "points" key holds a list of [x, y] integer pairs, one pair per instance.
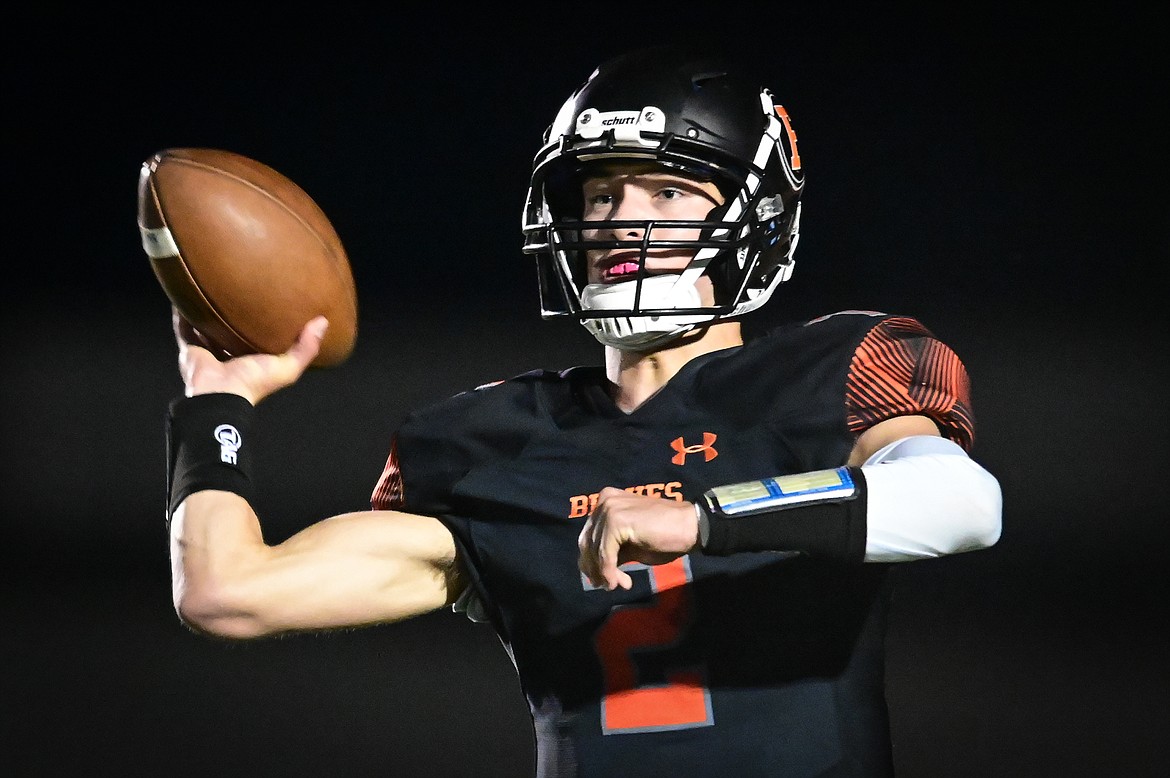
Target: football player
{"points": [[684, 548]]}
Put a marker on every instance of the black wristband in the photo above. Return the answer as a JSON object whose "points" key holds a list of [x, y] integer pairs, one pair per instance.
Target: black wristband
{"points": [[829, 527], [209, 446]]}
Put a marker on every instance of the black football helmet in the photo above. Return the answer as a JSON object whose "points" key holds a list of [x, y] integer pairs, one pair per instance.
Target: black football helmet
{"points": [[692, 113]]}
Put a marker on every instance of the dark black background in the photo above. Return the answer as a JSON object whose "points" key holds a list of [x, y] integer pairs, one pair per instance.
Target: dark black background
{"points": [[995, 172]]}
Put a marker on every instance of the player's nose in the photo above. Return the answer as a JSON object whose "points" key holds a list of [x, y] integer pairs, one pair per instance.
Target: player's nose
{"points": [[632, 206]]}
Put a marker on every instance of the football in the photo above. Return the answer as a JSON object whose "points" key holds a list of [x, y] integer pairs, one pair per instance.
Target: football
{"points": [[245, 255]]}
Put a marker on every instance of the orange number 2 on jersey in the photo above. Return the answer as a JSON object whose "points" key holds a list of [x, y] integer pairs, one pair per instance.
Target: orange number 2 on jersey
{"points": [[635, 638]]}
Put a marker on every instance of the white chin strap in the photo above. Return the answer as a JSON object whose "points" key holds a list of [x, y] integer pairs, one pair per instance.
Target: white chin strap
{"points": [[636, 333]]}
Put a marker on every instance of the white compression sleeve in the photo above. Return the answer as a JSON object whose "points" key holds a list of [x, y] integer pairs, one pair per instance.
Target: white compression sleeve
{"points": [[927, 498]]}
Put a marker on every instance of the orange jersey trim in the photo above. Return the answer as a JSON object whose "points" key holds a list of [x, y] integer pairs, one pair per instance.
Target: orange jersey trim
{"points": [[901, 369], [388, 493]]}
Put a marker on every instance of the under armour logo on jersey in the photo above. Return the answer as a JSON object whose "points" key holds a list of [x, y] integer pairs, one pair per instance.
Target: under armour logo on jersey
{"points": [[229, 440], [683, 449]]}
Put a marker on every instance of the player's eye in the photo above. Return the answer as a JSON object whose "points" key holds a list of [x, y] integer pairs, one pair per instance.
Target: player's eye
{"points": [[597, 204]]}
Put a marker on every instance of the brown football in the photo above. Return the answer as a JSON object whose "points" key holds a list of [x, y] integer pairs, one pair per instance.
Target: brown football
{"points": [[244, 254]]}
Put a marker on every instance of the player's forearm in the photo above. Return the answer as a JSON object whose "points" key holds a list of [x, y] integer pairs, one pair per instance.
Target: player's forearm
{"points": [[216, 541], [919, 497], [349, 570]]}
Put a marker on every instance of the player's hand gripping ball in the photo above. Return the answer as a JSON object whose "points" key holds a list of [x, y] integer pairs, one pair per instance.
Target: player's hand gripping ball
{"points": [[244, 254]]}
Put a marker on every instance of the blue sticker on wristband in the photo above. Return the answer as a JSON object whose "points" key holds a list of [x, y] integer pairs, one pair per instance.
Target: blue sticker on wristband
{"points": [[785, 490]]}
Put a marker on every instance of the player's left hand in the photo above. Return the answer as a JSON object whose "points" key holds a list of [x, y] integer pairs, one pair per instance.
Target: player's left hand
{"points": [[626, 527]]}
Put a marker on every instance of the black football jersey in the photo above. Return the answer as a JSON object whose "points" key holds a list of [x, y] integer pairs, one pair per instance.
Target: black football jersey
{"points": [[754, 664]]}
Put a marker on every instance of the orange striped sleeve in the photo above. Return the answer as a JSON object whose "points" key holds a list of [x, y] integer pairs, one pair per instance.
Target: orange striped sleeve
{"points": [[899, 369], [388, 493]]}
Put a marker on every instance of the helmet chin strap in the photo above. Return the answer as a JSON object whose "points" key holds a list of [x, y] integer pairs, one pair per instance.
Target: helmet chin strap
{"points": [[636, 333]]}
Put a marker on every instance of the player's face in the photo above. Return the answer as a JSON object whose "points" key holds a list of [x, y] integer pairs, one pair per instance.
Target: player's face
{"points": [[639, 193]]}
